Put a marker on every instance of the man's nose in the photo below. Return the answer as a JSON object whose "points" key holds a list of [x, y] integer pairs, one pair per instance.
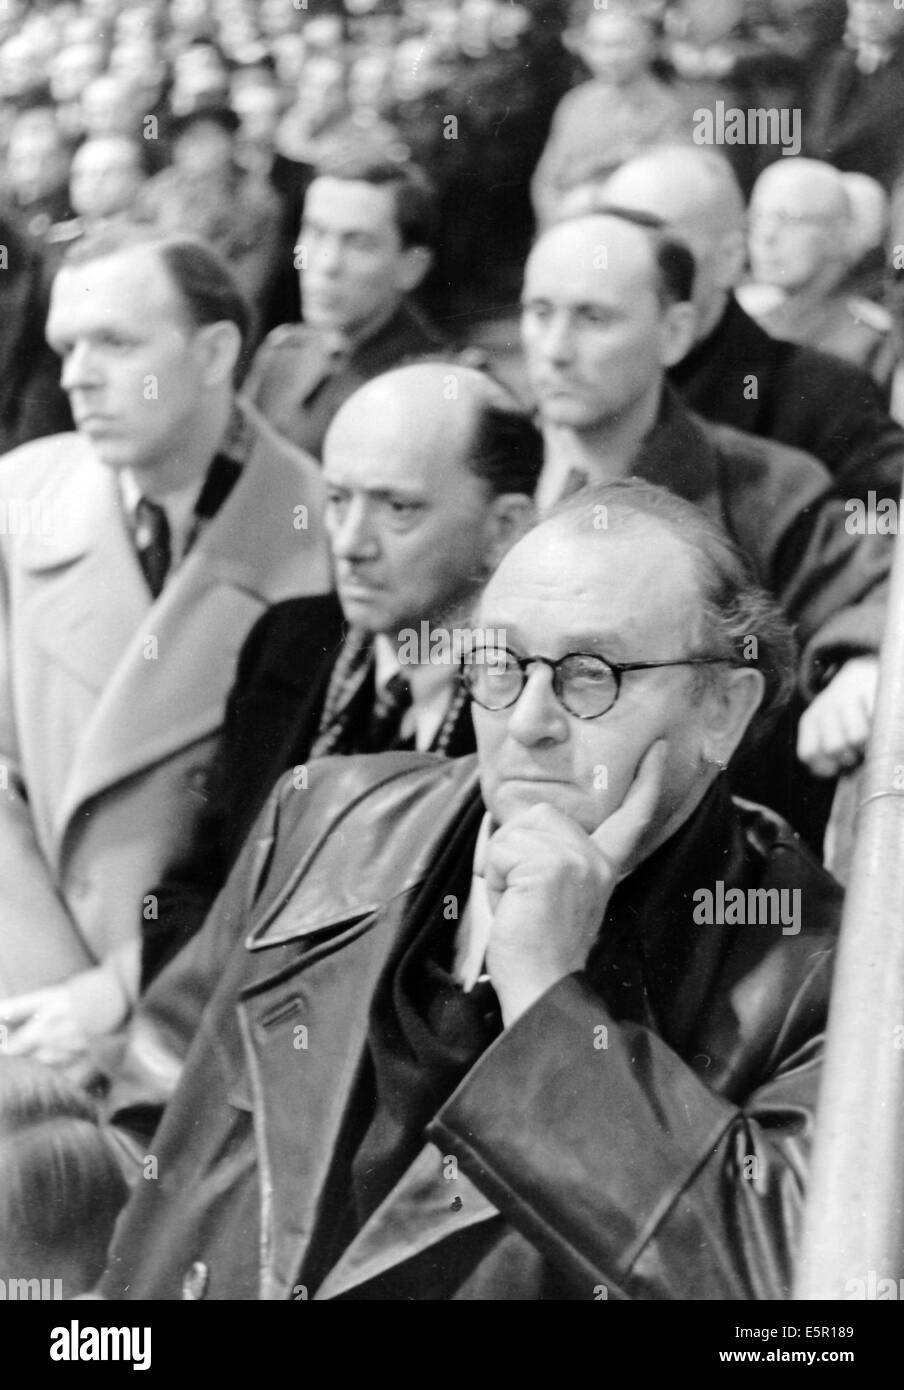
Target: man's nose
{"points": [[537, 717], [558, 339], [352, 536], [327, 255], [80, 368]]}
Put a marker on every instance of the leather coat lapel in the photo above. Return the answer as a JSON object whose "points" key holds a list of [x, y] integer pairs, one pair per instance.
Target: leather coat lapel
{"points": [[422, 1209], [303, 1067]]}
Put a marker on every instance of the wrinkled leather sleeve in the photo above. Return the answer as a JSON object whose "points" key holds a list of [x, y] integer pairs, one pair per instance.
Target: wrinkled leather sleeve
{"points": [[623, 1167]]}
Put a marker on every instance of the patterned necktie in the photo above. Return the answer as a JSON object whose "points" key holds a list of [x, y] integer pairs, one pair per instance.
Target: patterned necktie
{"points": [[385, 723], [152, 542]]}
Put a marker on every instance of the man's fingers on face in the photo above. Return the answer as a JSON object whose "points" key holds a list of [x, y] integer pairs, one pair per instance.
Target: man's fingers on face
{"points": [[619, 833], [527, 839]]}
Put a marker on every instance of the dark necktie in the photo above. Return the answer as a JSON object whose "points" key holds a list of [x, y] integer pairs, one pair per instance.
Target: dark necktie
{"points": [[385, 723], [152, 542]]}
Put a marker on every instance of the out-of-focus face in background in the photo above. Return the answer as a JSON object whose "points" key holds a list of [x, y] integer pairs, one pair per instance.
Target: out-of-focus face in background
{"points": [[205, 150], [799, 226], [369, 81], [321, 90], [138, 61], [108, 105], [276, 17], [21, 66], [36, 159], [705, 21], [199, 78], [258, 105], [105, 178], [289, 52], [73, 68], [354, 268], [617, 47]]}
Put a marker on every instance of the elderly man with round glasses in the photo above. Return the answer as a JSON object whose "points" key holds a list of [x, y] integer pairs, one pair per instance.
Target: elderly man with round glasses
{"points": [[543, 1025]]}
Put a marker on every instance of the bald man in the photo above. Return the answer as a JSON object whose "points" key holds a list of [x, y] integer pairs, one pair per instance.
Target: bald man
{"points": [[735, 372], [802, 245], [605, 313], [430, 470]]}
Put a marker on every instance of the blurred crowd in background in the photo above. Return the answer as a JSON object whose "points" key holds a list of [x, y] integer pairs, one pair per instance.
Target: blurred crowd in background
{"points": [[212, 115]]}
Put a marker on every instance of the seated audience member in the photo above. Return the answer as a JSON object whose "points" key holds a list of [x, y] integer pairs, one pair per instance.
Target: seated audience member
{"points": [[111, 106], [597, 347], [32, 402], [364, 247], [602, 122], [37, 171], [480, 1036], [200, 77], [257, 101], [61, 1187], [73, 67], [317, 112], [801, 245], [425, 492], [105, 180], [855, 104], [157, 534], [206, 194], [736, 373]]}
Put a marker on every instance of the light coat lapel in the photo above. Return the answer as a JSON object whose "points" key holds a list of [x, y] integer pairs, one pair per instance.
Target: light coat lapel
{"points": [[89, 595], [177, 656]]}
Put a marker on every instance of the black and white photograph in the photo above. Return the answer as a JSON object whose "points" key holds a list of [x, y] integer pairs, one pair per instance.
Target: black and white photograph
{"points": [[451, 667]]}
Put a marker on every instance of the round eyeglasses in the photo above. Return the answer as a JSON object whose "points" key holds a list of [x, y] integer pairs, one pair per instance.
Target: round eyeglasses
{"points": [[584, 684]]}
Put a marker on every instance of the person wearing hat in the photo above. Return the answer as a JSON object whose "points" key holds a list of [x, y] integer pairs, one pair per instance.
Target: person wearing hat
{"points": [[205, 192]]}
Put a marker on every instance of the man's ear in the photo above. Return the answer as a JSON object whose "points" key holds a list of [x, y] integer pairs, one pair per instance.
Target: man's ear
{"points": [[220, 344], [508, 517], [730, 702], [416, 261], [679, 329]]}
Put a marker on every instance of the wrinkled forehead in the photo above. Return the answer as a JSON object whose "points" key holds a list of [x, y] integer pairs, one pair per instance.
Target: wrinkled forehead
{"points": [[625, 587]]}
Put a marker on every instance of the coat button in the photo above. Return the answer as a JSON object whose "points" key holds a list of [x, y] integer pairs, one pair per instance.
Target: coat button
{"points": [[194, 1282]]}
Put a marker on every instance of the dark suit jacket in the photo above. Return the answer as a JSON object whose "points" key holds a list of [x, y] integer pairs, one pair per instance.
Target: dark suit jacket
{"points": [[271, 720], [643, 1130], [855, 120], [293, 384], [804, 398], [32, 402]]}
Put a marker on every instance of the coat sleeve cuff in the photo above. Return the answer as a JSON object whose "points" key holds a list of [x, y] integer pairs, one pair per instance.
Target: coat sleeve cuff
{"points": [[582, 1131]]}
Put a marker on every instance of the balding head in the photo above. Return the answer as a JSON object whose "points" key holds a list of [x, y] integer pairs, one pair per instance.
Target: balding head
{"points": [[430, 470], [695, 193], [800, 217], [448, 412]]}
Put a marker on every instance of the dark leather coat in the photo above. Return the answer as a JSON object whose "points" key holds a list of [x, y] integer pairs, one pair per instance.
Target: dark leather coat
{"points": [[660, 1158]]}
